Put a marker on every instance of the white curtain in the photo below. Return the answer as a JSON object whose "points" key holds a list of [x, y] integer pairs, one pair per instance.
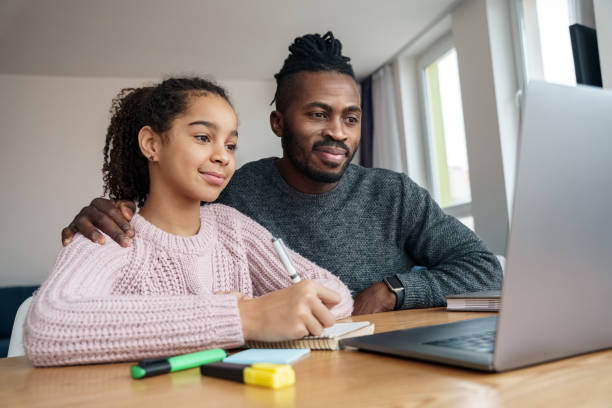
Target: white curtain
{"points": [[388, 149]]}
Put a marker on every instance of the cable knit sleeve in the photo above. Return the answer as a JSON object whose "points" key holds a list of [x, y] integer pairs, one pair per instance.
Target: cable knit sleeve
{"points": [[76, 319], [267, 271]]}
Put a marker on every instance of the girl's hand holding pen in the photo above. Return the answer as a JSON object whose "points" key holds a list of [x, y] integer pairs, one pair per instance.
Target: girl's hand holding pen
{"points": [[289, 313]]}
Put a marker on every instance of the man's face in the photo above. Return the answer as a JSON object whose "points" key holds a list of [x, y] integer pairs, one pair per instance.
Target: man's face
{"points": [[322, 125]]}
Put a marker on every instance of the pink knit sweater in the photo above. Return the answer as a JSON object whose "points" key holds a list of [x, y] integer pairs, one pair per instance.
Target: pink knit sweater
{"points": [[106, 303]]}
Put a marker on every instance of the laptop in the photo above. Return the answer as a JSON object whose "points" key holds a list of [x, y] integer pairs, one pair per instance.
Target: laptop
{"points": [[557, 291]]}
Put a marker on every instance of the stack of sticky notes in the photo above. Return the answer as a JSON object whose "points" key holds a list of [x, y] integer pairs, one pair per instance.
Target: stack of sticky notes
{"points": [[274, 356]]}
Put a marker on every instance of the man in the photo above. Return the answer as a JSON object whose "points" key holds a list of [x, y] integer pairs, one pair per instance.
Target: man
{"points": [[375, 229]]}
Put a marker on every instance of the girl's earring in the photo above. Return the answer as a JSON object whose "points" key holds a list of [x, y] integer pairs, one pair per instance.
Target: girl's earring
{"points": [[151, 157]]}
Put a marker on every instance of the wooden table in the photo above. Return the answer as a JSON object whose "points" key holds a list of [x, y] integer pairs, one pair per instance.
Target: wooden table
{"points": [[324, 379]]}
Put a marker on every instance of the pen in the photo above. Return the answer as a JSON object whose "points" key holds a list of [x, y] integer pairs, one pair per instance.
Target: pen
{"points": [[284, 257], [263, 374], [157, 366]]}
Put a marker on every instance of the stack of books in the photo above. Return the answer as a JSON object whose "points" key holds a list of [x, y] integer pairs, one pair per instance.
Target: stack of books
{"points": [[485, 301]]}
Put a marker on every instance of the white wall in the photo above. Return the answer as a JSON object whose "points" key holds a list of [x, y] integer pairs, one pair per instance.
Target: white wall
{"points": [[51, 157], [252, 102]]}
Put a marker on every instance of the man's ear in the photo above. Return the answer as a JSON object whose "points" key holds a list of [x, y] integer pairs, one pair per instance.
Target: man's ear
{"points": [[276, 123], [150, 143]]}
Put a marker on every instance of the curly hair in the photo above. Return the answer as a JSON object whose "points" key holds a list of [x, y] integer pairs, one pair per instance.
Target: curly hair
{"points": [[125, 170], [312, 53]]}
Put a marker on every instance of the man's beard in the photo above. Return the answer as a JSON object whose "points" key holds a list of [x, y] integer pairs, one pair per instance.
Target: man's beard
{"points": [[297, 156]]}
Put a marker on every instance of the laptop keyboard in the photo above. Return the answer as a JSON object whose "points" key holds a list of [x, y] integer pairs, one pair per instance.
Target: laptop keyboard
{"points": [[483, 342]]}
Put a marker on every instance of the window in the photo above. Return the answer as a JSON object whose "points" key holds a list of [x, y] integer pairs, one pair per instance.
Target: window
{"points": [[545, 39], [449, 175]]}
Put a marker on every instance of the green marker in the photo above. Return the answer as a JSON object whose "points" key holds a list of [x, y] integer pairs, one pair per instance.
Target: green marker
{"points": [[157, 366]]}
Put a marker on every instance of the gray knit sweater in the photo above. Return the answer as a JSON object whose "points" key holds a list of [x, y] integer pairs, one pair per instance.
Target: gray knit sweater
{"points": [[374, 223]]}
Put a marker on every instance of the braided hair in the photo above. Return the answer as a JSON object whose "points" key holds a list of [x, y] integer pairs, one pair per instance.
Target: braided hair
{"points": [[125, 170], [312, 53]]}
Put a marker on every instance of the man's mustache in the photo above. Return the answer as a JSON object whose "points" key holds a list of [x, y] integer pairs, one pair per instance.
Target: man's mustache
{"points": [[332, 143]]}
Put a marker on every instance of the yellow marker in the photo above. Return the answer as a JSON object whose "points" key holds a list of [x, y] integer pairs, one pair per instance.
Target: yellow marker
{"points": [[262, 374]]}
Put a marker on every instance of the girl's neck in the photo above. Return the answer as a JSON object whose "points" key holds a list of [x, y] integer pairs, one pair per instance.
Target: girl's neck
{"points": [[172, 214]]}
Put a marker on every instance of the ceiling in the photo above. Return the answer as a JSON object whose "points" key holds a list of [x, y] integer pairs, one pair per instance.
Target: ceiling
{"points": [[228, 39]]}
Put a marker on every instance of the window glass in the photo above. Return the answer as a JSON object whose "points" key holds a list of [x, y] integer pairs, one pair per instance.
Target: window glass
{"points": [[547, 41], [448, 153]]}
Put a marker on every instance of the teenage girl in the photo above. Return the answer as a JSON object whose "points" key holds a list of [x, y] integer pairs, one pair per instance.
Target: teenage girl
{"points": [[194, 277]]}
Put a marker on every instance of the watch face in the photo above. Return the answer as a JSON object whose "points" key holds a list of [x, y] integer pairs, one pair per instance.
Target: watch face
{"points": [[394, 282]]}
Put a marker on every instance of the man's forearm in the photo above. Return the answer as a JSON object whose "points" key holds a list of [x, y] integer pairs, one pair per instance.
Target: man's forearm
{"points": [[428, 287]]}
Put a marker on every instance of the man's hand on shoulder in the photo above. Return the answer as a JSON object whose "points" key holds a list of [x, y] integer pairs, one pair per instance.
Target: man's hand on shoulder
{"points": [[375, 299], [111, 217]]}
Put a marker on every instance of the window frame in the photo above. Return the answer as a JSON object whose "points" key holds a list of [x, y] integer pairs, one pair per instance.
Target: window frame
{"points": [[434, 52], [526, 39]]}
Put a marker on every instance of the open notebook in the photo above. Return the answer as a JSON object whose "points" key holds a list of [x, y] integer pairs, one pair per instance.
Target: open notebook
{"points": [[328, 340]]}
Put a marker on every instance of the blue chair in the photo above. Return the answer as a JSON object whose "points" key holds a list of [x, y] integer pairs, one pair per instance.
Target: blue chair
{"points": [[10, 299]]}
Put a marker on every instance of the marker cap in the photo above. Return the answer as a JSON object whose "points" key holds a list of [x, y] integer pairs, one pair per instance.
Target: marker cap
{"points": [[150, 368], [269, 375]]}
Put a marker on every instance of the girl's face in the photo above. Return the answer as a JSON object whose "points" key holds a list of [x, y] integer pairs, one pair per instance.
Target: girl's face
{"points": [[197, 158]]}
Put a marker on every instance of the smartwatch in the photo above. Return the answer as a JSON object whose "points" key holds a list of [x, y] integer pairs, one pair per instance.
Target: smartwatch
{"points": [[395, 286]]}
